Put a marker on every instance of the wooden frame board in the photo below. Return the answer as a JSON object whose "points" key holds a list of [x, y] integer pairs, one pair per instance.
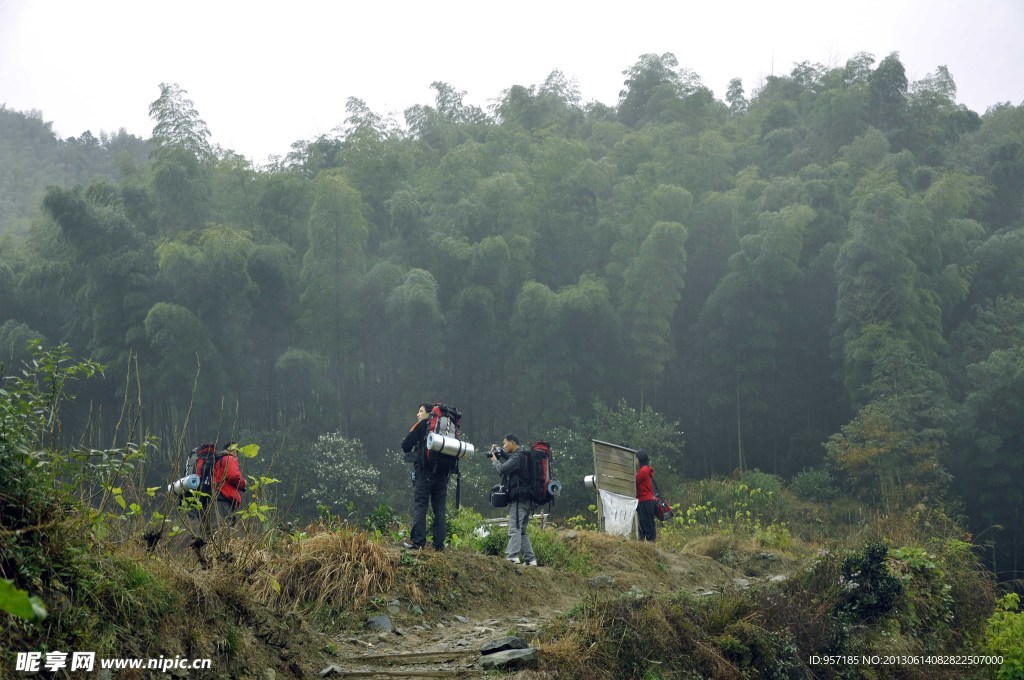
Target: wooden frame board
{"points": [[615, 471]]}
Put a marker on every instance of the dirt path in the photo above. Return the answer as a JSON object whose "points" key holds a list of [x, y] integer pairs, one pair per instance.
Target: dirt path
{"points": [[444, 648], [497, 599]]}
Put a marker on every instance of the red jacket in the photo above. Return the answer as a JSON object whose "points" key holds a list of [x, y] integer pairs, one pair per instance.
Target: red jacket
{"points": [[645, 483], [227, 478]]}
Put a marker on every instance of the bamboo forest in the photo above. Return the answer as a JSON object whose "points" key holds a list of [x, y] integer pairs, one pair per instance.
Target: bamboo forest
{"points": [[819, 278]]}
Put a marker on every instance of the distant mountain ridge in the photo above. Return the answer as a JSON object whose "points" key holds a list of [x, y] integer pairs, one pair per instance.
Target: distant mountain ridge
{"points": [[32, 158]]}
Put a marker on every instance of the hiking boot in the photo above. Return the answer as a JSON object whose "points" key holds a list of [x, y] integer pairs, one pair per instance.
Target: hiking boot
{"points": [[411, 546], [532, 563], [513, 560]]}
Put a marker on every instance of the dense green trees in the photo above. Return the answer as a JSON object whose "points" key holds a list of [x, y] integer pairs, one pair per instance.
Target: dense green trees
{"points": [[826, 270]]}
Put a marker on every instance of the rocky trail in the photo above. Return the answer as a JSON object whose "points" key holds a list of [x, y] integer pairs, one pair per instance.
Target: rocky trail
{"points": [[501, 605]]}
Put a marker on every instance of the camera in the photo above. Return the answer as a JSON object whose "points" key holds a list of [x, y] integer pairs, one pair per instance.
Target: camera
{"points": [[497, 452]]}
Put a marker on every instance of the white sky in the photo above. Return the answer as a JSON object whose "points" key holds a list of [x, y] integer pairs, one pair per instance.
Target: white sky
{"points": [[265, 74]]}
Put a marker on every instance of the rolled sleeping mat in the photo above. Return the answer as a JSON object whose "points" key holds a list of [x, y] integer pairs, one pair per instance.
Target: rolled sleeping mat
{"points": [[554, 487], [186, 483], [590, 481], [449, 446]]}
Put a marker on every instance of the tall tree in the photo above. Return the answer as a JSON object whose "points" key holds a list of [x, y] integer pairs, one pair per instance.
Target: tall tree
{"points": [[653, 284], [177, 124], [331, 271]]}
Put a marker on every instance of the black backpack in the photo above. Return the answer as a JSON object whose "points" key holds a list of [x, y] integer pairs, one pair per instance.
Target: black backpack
{"points": [[208, 454], [536, 479]]}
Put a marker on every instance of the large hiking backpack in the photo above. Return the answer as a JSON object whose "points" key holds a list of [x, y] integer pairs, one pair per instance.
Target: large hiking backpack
{"points": [[541, 488], [207, 453], [444, 420]]}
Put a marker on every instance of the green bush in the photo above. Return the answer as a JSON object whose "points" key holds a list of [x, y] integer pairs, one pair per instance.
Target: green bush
{"points": [[1004, 637], [870, 589], [467, 528], [49, 538], [755, 479], [814, 484]]}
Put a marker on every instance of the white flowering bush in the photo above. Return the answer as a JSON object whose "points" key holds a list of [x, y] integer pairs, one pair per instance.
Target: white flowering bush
{"points": [[341, 474]]}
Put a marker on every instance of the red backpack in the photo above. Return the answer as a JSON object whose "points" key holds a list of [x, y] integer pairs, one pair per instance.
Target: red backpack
{"points": [[444, 420]]}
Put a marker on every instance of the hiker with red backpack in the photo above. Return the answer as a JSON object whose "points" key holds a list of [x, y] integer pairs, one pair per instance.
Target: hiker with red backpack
{"points": [[220, 486], [430, 473], [512, 463]]}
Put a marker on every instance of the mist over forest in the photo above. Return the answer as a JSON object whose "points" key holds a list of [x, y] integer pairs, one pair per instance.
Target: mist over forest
{"points": [[821, 276]]}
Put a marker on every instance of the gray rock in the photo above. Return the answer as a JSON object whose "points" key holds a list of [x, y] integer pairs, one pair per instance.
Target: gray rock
{"points": [[381, 622], [269, 674], [330, 670], [742, 583], [778, 578], [570, 535], [510, 658], [461, 619], [504, 643]]}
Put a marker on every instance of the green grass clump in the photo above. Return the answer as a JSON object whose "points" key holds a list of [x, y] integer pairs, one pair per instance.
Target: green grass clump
{"points": [[554, 551]]}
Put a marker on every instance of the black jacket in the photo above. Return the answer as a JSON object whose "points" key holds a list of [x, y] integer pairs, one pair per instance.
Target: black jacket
{"points": [[415, 443], [513, 472]]}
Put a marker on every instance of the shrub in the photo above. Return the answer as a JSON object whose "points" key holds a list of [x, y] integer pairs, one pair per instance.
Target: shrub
{"points": [[870, 589], [814, 484], [341, 474], [1005, 637]]}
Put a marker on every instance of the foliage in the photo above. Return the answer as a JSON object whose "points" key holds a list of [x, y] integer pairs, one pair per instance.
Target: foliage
{"points": [[870, 589], [814, 484], [554, 551], [56, 507], [19, 603], [827, 249], [639, 636], [1005, 636], [340, 474], [735, 508]]}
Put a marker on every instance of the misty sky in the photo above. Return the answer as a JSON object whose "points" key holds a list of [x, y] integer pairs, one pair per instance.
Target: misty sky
{"points": [[263, 75]]}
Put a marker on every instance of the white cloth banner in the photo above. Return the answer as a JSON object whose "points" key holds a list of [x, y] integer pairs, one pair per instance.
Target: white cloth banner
{"points": [[618, 513]]}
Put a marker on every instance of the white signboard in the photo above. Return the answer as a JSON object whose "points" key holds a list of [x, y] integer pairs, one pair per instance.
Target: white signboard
{"points": [[618, 513]]}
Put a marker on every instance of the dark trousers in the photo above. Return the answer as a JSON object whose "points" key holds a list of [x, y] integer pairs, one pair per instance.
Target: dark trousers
{"points": [[645, 518], [429, 488]]}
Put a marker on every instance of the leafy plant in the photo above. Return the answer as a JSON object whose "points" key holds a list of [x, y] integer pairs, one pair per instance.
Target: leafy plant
{"points": [[1004, 637], [814, 484], [341, 474], [870, 590]]}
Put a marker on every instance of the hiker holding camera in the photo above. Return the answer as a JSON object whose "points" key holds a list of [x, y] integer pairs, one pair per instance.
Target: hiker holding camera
{"points": [[510, 461]]}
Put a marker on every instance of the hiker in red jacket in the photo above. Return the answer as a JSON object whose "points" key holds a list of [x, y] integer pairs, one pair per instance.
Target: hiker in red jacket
{"points": [[228, 484], [645, 497]]}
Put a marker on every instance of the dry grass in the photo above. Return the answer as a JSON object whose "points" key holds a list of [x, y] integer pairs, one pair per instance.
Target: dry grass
{"points": [[338, 569], [714, 546]]}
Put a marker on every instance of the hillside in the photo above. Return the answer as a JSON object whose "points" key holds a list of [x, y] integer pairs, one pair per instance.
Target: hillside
{"points": [[719, 604], [496, 599]]}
